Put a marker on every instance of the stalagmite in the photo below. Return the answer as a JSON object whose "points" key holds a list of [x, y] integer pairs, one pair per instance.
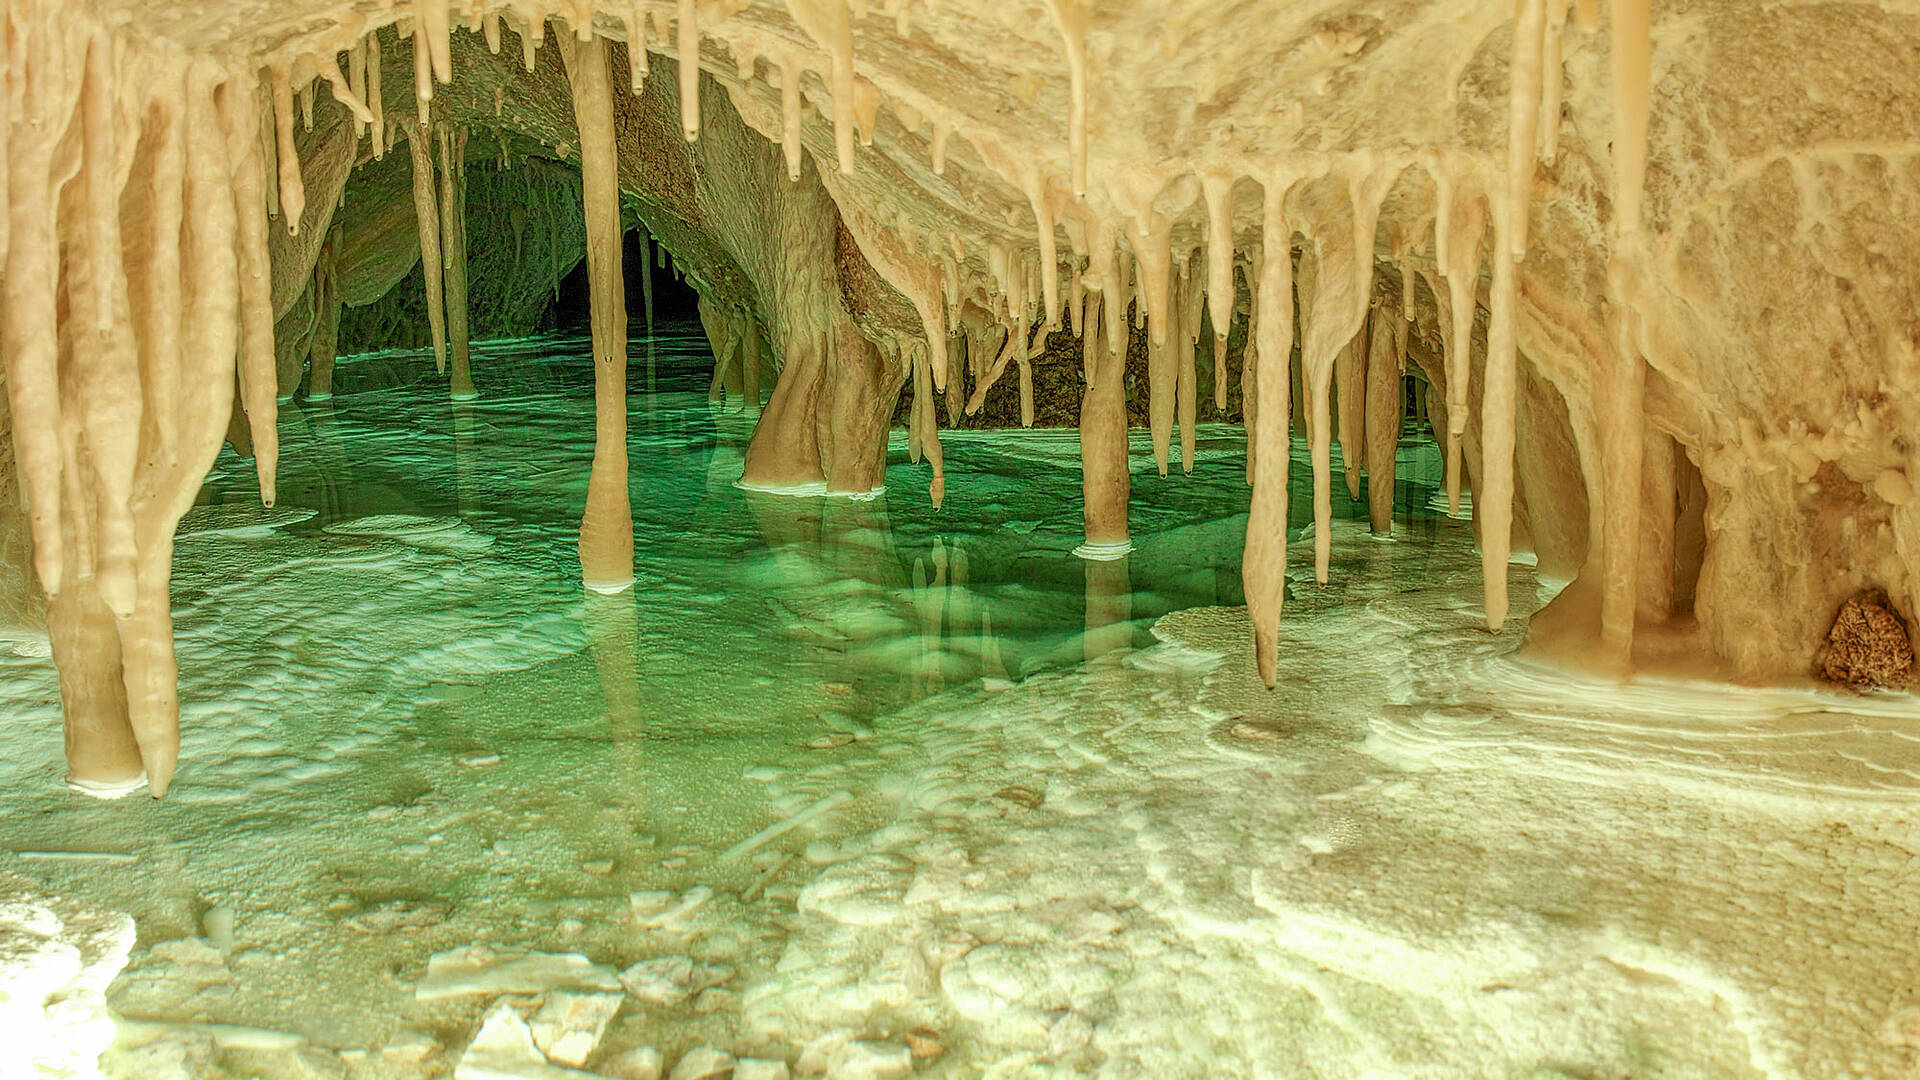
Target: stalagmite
{"points": [[606, 526], [293, 198], [453, 248], [1386, 344], [257, 384], [1263, 565], [426, 213], [689, 47]]}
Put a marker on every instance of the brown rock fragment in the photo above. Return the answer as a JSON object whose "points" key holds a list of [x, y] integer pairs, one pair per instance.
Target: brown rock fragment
{"points": [[1868, 645]]}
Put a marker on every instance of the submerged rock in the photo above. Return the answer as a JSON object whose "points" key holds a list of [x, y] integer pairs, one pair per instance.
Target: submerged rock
{"points": [[639, 1063], [1868, 646], [702, 1063], [504, 1050], [568, 1026], [860, 1060]]}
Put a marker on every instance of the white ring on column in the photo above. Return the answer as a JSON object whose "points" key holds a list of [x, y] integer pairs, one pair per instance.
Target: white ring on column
{"points": [[1106, 552]]}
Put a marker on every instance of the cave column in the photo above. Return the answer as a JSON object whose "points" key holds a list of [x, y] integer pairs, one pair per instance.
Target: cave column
{"points": [[1104, 483], [606, 526]]}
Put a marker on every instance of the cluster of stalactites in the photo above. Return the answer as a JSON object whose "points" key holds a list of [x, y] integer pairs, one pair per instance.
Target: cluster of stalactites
{"points": [[136, 286], [1121, 244]]}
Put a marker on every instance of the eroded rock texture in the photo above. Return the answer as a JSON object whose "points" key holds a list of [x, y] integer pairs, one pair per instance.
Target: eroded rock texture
{"points": [[1655, 266]]}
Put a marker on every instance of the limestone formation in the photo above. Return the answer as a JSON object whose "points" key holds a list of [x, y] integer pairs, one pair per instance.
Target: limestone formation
{"points": [[1660, 291]]}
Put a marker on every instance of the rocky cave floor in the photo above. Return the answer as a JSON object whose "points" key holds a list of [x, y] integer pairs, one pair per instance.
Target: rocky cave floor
{"points": [[837, 785]]}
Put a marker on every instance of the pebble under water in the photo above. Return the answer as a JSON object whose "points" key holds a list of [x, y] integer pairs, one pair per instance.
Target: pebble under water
{"points": [[861, 787]]}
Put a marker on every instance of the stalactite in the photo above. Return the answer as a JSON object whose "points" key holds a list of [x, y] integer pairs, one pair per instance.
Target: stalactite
{"points": [[829, 24], [357, 79], [1465, 225], [790, 117], [1349, 386], [375, 104], [606, 526], [343, 91], [646, 281], [1153, 270], [104, 364], [490, 31], [531, 35], [257, 384], [1344, 265], [1049, 257], [1551, 77], [1523, 116], [1186, 339], [43, 94], [1620, 407], [1384, 393], [1263, 565], [689, 46], [326, 332], [1217, 189], [1071, 17], [929, 427], [942, 132], [1493, 500], [453, 248], [422, 67], [293, 198], [426, 212], [433, 20], [1249, 362]]}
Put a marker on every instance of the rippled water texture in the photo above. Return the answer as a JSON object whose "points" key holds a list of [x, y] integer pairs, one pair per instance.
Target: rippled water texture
{"points": [[839, 773]]}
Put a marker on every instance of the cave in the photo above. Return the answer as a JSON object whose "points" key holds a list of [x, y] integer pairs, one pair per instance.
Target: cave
{"points": [[869, 539]]}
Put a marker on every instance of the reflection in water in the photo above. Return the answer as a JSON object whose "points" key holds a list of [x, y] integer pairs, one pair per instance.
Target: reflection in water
{"points": [[1109, 607]]}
